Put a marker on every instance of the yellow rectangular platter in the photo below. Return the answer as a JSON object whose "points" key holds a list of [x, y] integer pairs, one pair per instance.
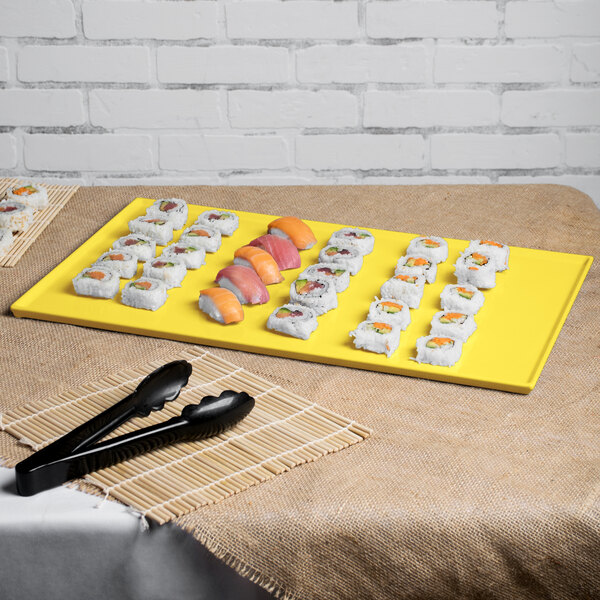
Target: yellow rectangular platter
{"points": [[516, 328]]}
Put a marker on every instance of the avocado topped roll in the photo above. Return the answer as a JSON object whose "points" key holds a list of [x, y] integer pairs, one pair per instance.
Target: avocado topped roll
{"points": [[170, 270], [457, 325], [477, 269], [201, 236], [465, 299], [174, 210], [377, 336], [318, 294], [141, 246], [121, 262], [160, 229], [407, 288], [497, 252], [224, 221], [296, 320], [390, 310], [440, 351], [417, 265], [335, 273], [361, 239], [30, 194], [98, 282], [348, 257], [434, 248]]}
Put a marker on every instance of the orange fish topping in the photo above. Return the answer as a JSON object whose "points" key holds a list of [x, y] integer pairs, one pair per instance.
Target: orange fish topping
{"points": [[200, 232], [453, 315], [143, 284], [26, 190], [490, 243], [392, 304], [441, 341], [95, 274], [116, 257]]}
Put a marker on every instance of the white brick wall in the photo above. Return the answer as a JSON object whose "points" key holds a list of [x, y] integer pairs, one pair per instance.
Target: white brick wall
{"points": [[274, 92]]}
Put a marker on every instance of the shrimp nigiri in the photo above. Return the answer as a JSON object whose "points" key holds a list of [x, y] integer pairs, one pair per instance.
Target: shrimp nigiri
{"points": [[259, 260], [295, 230]]}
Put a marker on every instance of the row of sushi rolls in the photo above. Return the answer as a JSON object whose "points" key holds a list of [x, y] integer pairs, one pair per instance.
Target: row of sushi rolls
{"points": [[315, 291], [18, 209]]}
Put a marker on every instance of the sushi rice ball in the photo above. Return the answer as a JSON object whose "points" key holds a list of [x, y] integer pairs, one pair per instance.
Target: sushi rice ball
{"points": [[141, 246], [192, 257], [221, 305], [477, 269], [434, 248], [98, 282], [458, 326], [157, 228], [122, 263], [497, 252], [198, 236], [6, 239], [318, 294], [440, 351], [15, 216], [145, 292], [293, 319], [465, 299], [361, 239], [337, 274], [171, 271], [222, 220], [175, 210], [30, 194], [348, 257], [389, 310], [377, 336], [417, 265], [407, 288]]}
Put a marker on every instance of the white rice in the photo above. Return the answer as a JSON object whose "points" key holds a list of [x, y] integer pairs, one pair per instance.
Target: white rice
{"points": [[105, 287], [334, 273], [468, 270], [457, 330], [222, 220], [197, 236], [407, 292], [35, 196], [193, 258], [361, 239], [344, 255], [125, 267], [443, 356], [434, 248], [141, 246], [453, 301], [429, 270], [367, 336], [15, 216], [163, 209], [160, 229], [498, 255], [170, 270], [149, 299], [6, 239], [300, 326], [321, 299], [378, 311]]}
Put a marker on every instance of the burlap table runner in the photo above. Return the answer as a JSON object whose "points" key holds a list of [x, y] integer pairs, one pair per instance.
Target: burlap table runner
{"points": [[460, 493]]}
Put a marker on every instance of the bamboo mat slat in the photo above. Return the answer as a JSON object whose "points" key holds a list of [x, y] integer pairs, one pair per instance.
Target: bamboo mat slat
{"points": [[58, 196], [283, 430]]}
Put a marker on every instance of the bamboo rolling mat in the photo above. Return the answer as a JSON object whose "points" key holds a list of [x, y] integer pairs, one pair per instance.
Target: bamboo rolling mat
{"points": [[282, 431], [58, 196]]}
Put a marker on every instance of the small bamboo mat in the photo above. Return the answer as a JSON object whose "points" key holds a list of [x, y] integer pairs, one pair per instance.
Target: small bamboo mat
{"points": [[58, 196], [282, 431]]}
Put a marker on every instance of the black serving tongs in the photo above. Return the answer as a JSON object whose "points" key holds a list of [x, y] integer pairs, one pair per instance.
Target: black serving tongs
{"points": [[76, 453]]}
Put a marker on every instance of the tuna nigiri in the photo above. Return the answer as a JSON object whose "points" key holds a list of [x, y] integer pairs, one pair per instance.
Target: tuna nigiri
{"points": [[259, 260], [283, 251], [295, 230], [244, 283], [221, 305]]}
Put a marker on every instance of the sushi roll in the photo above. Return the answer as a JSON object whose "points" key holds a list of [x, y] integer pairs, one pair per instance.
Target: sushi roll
{"points": [[224, 221], [30, 194], [201, 237], [434, 248], [192, 258], [361, 239], [6, 239], [497, 252], [338, 275], [98, 282], [171, 271], [389, 310], [417, 265], [141, 246], [477, 269], [283, 251], [174, 210], [376, 336], [407, 288], [244, 283], [145, 292], [122, 263], [221, 305], [347, 257], [465, 299], [156, 228], [293, 319], [458, 326], [295, 230], [15, 216], [318, 294], [440, 351], [259, 260]]}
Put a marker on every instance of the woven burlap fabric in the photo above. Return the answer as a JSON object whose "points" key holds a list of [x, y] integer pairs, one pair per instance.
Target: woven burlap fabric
{"points": [[460, 493]]}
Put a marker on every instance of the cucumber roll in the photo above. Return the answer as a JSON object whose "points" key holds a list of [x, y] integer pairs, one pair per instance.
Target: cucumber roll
{"points": [[389, 310], [30, 194], [159, 229], [434, 248], [122, 263], [318, 294], [337, 274], [497, 252], [141, 246], [174, 210], [361, 239], [192, 258], [348, 257], [198, 236], [417, 265], [98, 282], [145, 292], [407, 288], [440, 351], [170, 270], [377, 336], [465, 299], [15, 216], [293, 319], [459, 326], [477, 269], [224, 221], [6, 239]]}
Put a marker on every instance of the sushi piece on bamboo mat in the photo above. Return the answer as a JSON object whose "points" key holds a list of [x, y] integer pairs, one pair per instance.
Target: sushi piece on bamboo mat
{"points": [[283, 431], [58, 196]]}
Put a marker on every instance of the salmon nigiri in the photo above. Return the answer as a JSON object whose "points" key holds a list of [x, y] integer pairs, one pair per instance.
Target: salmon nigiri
{"points": [[259, 260], [283, 251], [295, 230], [221, 305], [244, 283]]}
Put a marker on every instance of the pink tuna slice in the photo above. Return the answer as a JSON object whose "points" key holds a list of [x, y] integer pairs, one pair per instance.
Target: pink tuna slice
{"points": [[286, 255], [244, 283]]}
